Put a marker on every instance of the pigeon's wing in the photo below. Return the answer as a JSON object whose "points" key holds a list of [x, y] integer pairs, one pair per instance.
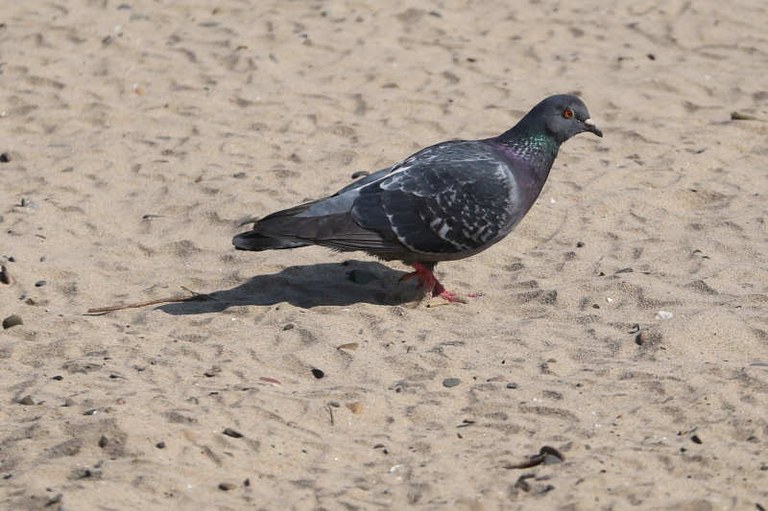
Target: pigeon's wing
{"points": [[453, 198]]}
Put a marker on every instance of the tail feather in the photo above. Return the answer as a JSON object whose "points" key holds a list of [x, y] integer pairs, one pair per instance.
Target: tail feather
{"points": [[330, 225], [272, 232], [338, 232], [254, 240]]}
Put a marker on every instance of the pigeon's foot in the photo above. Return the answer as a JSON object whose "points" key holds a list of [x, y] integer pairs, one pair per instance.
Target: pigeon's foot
{"points": [[427, 281]]}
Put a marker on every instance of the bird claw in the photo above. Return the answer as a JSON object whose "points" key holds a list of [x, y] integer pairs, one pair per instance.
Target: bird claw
{"points": [[433, 288], [448, 298]]}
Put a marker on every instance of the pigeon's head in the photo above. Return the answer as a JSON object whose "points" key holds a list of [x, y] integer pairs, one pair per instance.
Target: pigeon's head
{"points": [[563, 116]]}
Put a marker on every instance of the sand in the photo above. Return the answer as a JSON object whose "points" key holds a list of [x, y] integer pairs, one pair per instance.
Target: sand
{"points": [[623, 325]]}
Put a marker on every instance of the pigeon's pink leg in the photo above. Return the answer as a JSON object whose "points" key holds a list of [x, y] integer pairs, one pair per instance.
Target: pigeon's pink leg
{"points": [[428, 281]]}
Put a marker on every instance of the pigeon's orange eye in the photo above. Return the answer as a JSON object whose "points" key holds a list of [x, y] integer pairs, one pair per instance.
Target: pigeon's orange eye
{"points": [[567, 113]]}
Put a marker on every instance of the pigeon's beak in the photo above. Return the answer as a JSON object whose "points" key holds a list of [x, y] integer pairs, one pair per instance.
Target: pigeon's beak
{"points": [[589, 125]]}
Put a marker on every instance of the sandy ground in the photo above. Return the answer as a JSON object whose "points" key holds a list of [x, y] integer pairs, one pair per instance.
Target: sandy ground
{"points": [[623, 325]]}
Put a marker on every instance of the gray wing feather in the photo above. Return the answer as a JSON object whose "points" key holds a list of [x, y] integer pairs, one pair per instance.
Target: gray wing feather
{"points": [[451, 198]]}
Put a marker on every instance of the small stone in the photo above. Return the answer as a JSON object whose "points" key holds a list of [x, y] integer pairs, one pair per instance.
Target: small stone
{"points": [[738, 116], [648, 339], [26, 400], [213, 371], [356, 407], [318, 373], [287, 327], [84, 473], [40, 283], [160, 445], [451, 382], [512, 385], [664, 315], [547, 456], [399, 386], [12, 321], [56, 499], [696, 440], [5, 157], [350, 346], [551, 455], [5, 277], [103, 441], [359, 174], [233, 433], [227, 486]]}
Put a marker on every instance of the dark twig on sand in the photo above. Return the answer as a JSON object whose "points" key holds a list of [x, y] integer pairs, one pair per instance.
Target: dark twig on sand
{"points": [[195, 296]]}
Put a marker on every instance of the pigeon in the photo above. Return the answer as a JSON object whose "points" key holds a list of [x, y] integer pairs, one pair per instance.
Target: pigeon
{"points": [[446, 202]]}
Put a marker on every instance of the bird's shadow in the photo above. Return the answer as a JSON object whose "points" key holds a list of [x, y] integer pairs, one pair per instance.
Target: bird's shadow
{"points": [[309, 286]]}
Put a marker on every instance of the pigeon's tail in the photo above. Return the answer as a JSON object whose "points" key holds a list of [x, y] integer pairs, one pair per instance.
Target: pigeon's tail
{"points": [[254, 240], [319, 223], [276, 231]]}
